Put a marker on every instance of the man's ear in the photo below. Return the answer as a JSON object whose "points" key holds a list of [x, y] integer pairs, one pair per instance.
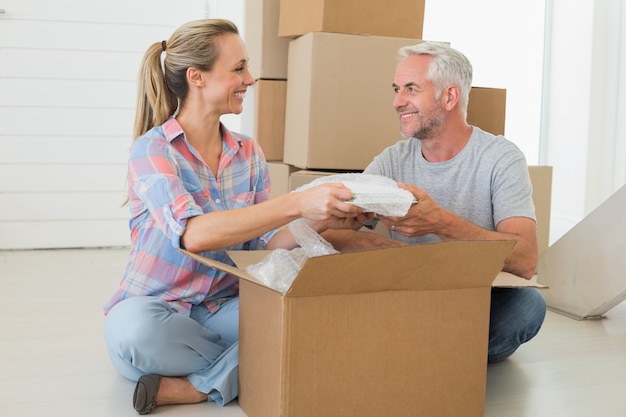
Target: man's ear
{"points": [[450, 96], [195, 77]]}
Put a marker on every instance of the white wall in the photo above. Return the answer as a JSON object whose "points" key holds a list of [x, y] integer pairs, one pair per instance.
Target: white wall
{"points": [[584, 131], [68, 73], [504, 42]]}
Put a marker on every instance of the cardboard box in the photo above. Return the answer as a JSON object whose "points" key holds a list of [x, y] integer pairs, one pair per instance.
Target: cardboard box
{"points": [[267, 51], [269, 117], [393, 18], [585, 267], [302, 177], [280, 174], [487, 109], [339, 100], [541, 179], [345, 342]]}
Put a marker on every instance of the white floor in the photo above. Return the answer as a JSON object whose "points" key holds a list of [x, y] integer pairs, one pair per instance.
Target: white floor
{"points": [[53, 361]]}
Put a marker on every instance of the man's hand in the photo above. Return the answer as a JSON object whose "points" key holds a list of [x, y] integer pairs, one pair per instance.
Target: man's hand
{"points": [[422, 218]]}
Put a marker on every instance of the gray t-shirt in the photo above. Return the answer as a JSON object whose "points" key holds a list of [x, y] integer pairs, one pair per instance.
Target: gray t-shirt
{"points": [[485, 183]]}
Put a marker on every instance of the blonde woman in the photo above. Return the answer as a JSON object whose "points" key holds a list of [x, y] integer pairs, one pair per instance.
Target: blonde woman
{"points": [[172, 326]]}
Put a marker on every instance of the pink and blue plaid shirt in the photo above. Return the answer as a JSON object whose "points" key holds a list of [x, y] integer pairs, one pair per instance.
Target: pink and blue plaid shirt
{"points": [[170, 183]]}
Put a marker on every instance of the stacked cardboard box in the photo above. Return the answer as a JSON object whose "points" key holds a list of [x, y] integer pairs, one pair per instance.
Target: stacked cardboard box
{"points": [[321, 101], [392, 18], [267, 53]]}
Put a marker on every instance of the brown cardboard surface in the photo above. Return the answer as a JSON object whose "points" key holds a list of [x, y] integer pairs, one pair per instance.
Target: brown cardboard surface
{"points": [[541, 179], [384, 354], [393, 18], [261, 332], [338, 118], [585, 267], [266, 50], [487, 109], [302, 177], [279, 174], [269, 117], [254, 256], [508, 280], [400, 324]]}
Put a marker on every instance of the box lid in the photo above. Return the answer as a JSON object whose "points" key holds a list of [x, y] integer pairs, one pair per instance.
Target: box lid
{"points": [[508, 280], [417, 267]]}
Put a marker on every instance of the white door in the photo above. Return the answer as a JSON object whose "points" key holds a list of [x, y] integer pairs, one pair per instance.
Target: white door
{"points": [[68, 73]]}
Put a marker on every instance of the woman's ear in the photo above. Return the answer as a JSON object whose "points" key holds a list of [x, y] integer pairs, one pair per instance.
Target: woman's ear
{"points": [[195, 77]]}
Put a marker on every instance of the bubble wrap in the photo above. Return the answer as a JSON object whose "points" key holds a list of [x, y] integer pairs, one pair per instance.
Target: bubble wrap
{"points": [[374, 193], [279, 269]]}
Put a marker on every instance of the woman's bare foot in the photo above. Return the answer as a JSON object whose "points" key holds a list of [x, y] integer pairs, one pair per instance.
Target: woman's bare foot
{"points": [[178, 391]]}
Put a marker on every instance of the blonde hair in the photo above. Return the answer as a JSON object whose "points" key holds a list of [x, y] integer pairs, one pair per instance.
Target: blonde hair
{"points": [[162, 88]]}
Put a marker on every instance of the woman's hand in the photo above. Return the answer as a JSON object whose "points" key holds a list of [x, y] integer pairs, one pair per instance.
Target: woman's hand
{"points": [[328, 205]]}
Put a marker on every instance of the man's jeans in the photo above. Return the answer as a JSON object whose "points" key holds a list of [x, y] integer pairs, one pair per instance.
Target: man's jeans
{"points": [[516, 317]]}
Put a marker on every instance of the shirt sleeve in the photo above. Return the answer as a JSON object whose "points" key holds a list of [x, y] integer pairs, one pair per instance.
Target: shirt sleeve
{"points": [[511, 187], [158, 188]]}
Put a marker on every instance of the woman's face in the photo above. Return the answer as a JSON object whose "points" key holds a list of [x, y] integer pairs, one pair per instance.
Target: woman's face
{"points": [[227, 82]]}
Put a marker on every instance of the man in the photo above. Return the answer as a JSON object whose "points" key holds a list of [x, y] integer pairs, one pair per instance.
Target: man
{"points": [[469, 184]]}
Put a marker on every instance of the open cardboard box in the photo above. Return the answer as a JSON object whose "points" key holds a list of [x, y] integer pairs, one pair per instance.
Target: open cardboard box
{"points": [[390, 332]]}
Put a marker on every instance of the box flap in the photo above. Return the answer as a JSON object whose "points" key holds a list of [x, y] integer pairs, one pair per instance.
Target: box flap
{"points": [[436, 266], [508, 280], [245, 258], [253, 257]]}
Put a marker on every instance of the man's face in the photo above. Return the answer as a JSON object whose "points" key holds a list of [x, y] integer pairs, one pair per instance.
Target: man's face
{"points": [[421, 115]]}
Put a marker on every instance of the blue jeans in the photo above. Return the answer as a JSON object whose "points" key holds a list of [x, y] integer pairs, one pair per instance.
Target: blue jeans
{"points": [[144, 335], [516, 317]]}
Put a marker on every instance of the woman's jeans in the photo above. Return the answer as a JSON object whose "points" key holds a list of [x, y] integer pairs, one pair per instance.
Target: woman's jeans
{"points": [[516, 317], [144, 335]]}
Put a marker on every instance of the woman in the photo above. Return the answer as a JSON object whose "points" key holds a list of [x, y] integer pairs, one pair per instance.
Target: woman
{"points": [[173, 324]]}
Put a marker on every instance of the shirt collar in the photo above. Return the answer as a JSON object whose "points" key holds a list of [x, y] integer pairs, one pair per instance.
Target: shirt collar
{"points": [[172, 130]]}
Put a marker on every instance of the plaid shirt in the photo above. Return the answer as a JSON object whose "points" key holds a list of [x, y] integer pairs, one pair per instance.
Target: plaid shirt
{"points": [[168, 184]]}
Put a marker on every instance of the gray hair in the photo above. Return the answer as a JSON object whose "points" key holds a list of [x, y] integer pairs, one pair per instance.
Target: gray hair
{"points": [[448, 66]]}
